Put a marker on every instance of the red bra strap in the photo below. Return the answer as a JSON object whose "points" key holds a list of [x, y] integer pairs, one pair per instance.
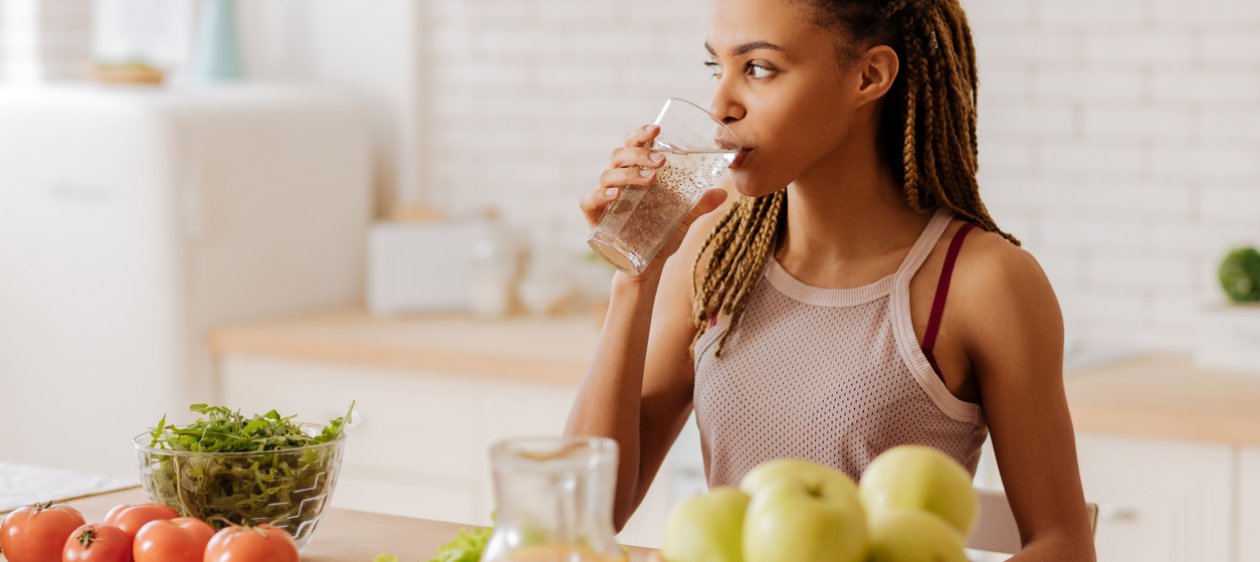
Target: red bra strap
{"points": [[942, 289]]}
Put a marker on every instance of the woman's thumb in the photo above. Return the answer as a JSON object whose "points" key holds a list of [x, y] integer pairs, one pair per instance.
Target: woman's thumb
{"points": [[711, 200]]}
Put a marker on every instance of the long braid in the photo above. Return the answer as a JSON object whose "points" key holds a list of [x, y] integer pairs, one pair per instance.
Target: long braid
{"points": [[956, 111], [927, 132], [962, 107], [909, 157], [741, 243]]}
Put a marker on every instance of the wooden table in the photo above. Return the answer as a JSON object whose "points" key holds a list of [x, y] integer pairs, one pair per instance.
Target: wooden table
{"points": [[343, 535]]}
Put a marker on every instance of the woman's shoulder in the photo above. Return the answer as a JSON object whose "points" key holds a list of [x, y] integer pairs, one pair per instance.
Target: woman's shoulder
{"points": [[990, 261], [1001, 290]]}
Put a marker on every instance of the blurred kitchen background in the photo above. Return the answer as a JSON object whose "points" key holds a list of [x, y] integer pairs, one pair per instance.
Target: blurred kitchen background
{"points": [[319, 200]]}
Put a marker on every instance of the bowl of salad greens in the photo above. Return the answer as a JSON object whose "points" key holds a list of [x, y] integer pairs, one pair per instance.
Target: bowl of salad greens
{"points": [[230, 469]]}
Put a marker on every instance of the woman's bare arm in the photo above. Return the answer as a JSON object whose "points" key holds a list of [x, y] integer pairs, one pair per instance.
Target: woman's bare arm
{"points": [[638, 388], [1014, 337]]}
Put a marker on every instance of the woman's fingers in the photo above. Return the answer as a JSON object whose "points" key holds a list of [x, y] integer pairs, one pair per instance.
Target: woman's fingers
{"points": [[618, 177], [630, 165], [595, 202], [610, 183], [642, 136], [626, 156], [634, 151]]}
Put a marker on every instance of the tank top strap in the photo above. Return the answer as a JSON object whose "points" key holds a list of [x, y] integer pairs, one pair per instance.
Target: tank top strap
{"points": [[923, 246]]}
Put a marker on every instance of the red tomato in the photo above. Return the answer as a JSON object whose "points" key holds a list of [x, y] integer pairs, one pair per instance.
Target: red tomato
{"points": [[263, 543], [129, 518], [97, 543], [182, 539], [36, 533]]}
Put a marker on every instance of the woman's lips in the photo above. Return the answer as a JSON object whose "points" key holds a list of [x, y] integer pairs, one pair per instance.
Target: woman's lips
{"points": [[740, 157]]}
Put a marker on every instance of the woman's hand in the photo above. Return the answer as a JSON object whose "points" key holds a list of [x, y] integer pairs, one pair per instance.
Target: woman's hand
{"points": [[634, 164]]}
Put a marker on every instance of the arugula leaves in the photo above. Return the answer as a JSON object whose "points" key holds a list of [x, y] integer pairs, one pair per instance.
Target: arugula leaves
{"points": [[465, 547], [226, 468]]}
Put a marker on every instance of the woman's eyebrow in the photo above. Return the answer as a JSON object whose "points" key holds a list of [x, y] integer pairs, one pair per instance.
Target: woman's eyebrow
{"points": [[746, 47]]}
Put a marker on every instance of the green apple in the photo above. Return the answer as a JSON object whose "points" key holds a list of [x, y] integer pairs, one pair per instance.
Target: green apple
{"points": [[922, 478], [802, 512], [811, 472], [906, 535], [707, 528]]}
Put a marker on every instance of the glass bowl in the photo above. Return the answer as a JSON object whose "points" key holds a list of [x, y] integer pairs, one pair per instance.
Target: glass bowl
{"points": [[288, 488]]}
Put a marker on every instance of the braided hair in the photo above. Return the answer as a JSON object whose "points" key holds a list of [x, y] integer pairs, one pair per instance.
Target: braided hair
{"points": [[926, 133]]}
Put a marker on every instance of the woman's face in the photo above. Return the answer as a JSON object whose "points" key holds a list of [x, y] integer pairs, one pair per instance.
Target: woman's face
{"points": [[780, 88]]}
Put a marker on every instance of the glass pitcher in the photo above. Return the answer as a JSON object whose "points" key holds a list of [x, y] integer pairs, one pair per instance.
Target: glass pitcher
{"points": [[554, 498]]}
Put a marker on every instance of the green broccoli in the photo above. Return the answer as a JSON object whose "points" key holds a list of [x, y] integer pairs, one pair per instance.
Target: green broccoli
{"points": [[1240, 275]]}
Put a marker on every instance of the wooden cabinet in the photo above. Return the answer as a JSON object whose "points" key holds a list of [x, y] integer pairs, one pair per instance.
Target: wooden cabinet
{"points": [[1157, 438], [1248, 504], [1159, 500], [419, 441], [411, 431], [513, 409], [1170, 451]]}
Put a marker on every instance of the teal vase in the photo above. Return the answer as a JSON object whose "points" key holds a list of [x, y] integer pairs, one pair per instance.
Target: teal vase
{"points": [[218, 51]]}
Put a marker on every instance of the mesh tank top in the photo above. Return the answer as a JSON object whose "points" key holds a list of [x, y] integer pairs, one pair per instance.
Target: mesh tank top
{"points": [[835, 376]]}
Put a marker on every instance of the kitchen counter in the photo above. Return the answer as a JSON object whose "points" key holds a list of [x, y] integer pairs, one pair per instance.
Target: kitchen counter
{"points": [[1158, 395], [1167, 396], [343, 535], [533, 349]]}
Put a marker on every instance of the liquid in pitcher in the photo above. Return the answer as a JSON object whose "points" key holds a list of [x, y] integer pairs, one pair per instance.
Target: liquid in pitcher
{"points": [[554, 500]]}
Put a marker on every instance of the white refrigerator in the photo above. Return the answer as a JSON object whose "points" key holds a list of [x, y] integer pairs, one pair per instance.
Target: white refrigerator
{"points": [[134, 220]]}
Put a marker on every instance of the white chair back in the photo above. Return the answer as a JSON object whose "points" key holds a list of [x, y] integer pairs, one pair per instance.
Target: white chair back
{"points": [[995, 529]]}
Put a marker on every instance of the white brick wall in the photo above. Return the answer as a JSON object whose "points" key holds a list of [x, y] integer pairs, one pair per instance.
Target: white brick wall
{"points": [[43, 40], [528, 97], [1160, 173], [1120, 139]]}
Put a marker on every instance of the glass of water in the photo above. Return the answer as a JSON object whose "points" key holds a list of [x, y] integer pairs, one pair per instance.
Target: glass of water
{"points": [[697, 149]]}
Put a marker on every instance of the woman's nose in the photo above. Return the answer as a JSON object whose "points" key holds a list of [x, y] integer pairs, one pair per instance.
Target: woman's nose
{"points": [[724, 106]]}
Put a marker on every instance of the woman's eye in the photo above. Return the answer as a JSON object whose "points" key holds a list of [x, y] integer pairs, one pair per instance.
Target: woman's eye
{"points": [[759, 71], [752, 69]]}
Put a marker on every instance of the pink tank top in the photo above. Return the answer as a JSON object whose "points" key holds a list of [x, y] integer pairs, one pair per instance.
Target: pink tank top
{"points": [[835, 376]]}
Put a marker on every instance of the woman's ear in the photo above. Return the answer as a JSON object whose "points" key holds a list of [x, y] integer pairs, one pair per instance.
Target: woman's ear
{"points": [[878, 67]]}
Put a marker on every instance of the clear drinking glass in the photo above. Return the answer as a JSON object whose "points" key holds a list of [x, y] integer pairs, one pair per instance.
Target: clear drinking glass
{"points": [[698, 149], [554, 498]]}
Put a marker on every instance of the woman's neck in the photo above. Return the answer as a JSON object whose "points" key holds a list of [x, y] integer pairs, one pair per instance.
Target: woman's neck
{"points": [[847, 220]]}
